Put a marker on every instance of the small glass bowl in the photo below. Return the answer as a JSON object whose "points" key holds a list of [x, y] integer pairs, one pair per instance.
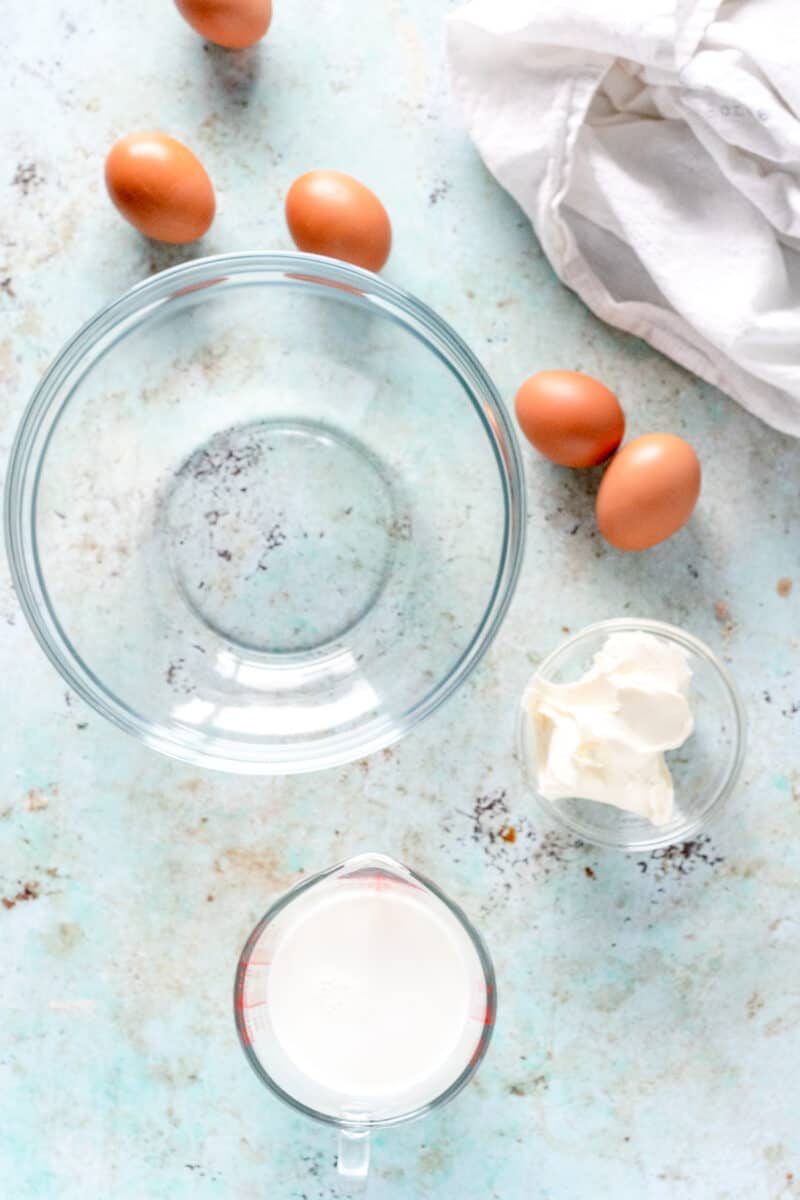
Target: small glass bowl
{"points": [[265, 512], [704, 769]]}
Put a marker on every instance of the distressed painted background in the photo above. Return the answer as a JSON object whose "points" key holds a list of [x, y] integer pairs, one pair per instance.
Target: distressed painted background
{"points": [[648, 1043]]}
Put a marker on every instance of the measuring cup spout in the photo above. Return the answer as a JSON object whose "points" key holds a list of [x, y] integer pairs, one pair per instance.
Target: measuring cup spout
{"points": [[353, 1160], [377, 865]]}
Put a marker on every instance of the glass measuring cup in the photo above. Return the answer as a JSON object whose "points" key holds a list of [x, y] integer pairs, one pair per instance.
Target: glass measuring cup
{"points": [[363, 998]]}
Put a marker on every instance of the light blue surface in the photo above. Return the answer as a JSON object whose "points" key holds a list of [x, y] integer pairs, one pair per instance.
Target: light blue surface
{"points": [[647, 1044]]}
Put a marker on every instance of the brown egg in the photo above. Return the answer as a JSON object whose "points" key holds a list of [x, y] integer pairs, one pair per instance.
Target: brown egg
{"points": [[333, 214], [231, 23], [160, 187], [648, 492], [570, 418]]}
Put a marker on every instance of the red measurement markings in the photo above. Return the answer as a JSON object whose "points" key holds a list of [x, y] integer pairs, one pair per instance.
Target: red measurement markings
{"points": [[485, 1014], [240, 1004], [378, 881], [239, 1000]]}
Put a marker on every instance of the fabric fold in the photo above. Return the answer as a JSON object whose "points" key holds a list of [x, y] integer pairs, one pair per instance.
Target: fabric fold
{"points": [[655, 147]]}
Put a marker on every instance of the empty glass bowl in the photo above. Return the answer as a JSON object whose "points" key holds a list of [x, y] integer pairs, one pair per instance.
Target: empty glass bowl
{"points": [[704, 769], [265, 512]]}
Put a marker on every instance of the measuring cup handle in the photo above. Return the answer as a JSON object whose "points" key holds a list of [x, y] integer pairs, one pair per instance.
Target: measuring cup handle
{"points": [[353, 1161]]}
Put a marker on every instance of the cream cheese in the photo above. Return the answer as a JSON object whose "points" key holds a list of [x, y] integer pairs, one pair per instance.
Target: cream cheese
{"points": [[603, 737]]}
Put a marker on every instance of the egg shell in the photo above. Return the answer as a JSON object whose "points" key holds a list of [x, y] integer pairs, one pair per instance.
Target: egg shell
{"points": [[234, 24], [333, 214], [160, 187], [571, 418], [648, 491]]}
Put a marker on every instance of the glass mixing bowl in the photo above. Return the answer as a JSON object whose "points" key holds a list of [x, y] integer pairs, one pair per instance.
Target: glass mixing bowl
{"points": [[265, 512], [704, 769]]}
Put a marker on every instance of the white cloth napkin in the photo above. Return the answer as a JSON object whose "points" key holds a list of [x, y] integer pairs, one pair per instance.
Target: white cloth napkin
{"points": [[655, 146]]}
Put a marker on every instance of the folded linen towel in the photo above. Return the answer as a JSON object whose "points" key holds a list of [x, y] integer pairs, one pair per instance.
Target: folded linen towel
{"points": [[655, 146]]}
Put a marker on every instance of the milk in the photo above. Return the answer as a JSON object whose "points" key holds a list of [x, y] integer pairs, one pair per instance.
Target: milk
{"points": [[375, 997]]}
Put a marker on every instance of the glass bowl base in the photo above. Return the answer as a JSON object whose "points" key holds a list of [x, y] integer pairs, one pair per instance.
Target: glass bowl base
{"points": [[279, 534]]}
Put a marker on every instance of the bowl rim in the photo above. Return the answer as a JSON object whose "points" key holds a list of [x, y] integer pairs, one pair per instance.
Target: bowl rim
{"points": [[729, 781], [64, 375]]}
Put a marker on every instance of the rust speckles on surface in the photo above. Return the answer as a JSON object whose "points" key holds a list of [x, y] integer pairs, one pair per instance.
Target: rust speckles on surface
{"points": [[754, 1004], [254, 868], [723, 614], [673, 1175], [433, 1159], [750, 868], [784, 586], [193, 786], [417, 851], [69, 935], [35, 801], [64, 938], [508, 833], [589, 873], [534, 1083], [28, 891]]}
